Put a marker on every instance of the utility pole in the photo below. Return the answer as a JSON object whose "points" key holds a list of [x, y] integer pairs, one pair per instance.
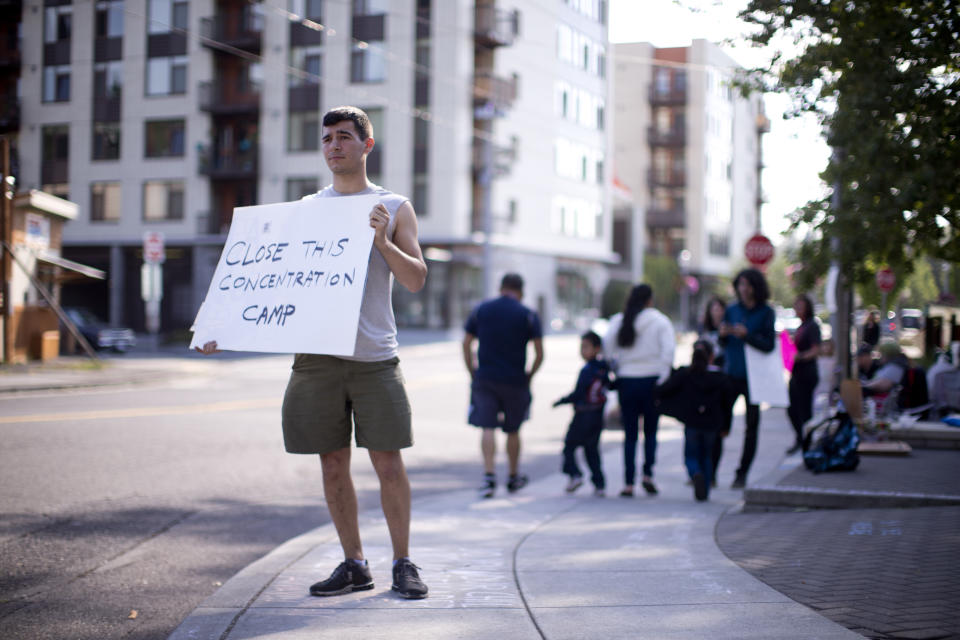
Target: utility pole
{"points": [[6, 243]]}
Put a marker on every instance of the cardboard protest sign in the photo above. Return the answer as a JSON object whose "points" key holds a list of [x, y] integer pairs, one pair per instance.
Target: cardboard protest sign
{"points": [[290, 278]]}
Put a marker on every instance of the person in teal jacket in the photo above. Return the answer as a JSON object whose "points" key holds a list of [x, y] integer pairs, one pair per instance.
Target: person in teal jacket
{"points": [[748, 321]]}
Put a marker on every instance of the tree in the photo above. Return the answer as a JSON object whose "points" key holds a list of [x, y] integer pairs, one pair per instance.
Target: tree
{"points": [[883, 76]]}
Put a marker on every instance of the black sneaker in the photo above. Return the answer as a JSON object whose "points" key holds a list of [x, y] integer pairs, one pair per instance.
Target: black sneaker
{"points": [[516, 482], [699, 487], [489, 486], [739, 482], [347, 577], [406, 580]]}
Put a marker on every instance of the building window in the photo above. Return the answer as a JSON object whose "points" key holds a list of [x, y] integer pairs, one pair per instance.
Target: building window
{"points": [[369, 7], [367, 64], [167, 15], [163, 200], [105, 201], [108, 79], [297, 188], [303, 131], [166, 76], [106, 141], [310, 9], [164, 138], [57, 23], [719, 244], [56, 83], [109, 19], [307, 63], [56, 154]]}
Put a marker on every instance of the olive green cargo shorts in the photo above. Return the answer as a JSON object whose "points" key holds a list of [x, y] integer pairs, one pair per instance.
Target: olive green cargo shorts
{"points": [[327, 396]]}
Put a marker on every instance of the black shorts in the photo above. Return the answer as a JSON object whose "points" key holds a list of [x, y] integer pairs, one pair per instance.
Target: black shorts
{"points": [[495, 404]]}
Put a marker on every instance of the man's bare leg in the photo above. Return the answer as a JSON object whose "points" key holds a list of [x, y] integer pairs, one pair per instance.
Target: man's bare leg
{"points": [[342, 501], [394, 498], [513, 452], [488, 446]]}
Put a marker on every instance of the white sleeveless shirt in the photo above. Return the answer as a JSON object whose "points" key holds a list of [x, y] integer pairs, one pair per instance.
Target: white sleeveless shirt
{"points": [[377, 330]]}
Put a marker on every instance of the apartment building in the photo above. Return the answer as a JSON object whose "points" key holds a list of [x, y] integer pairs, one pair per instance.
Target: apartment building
{"points": [[688, 151], [164, 115]]}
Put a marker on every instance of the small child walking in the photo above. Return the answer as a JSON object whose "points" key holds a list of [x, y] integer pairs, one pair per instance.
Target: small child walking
{"points": [[588, 400], [698, 396]]}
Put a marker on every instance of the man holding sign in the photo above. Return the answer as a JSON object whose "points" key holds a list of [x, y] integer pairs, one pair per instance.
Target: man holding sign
{"points": [[329, 397]]}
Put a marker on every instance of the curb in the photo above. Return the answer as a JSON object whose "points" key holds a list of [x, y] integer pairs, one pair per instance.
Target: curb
{"points": [[761, 497]]}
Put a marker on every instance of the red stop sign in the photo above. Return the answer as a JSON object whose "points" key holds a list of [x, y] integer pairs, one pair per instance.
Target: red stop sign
{"points": [[886, 279], [759, 250]]}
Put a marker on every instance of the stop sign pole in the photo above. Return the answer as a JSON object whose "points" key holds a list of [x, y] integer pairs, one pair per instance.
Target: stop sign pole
{"points": [[886, 279]]}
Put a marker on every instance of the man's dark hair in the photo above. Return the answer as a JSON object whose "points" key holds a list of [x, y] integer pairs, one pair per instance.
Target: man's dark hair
{"points": [[512, 282], [761, 291], [358, 117], [592, 338]]}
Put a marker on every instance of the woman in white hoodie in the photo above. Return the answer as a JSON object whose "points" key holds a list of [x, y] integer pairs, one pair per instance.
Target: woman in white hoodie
{"points": [[640, 344]]}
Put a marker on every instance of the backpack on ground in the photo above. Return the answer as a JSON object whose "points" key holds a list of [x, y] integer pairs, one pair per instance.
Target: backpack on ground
{"points": [[831, 445]]}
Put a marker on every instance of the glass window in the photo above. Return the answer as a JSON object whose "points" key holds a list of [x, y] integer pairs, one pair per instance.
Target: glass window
{"points": [[367, 64], [307, 61], [57, 23], [163, 200], [167, 75], [299, 187], [109, 20], [160, 14], [164, 138], [303, 131], [56, 83], [108, 79], [106, 141], [369, 7], [179, 16], [105, 201]]}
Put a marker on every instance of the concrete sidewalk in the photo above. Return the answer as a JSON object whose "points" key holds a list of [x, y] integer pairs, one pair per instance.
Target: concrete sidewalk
{"points": [[535, 564]]}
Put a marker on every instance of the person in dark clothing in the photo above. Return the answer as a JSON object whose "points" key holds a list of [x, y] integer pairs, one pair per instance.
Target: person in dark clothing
{"points": [[804, 376], [867, 365], [871, 329], [588, 399], [499, 379], [748, 321], [698, 396]]}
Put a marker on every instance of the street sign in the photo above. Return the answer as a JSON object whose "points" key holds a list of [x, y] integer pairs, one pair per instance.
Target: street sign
{"points": [[886, 279], [758, 250], [153, 247]]}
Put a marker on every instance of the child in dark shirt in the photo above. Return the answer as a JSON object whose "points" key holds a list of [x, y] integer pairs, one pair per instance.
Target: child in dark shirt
{"points": [[588, 399], [698, 396]]}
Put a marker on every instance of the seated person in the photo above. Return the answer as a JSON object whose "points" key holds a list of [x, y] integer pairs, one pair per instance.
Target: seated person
{"points": [[867, 365], [893, 364]]}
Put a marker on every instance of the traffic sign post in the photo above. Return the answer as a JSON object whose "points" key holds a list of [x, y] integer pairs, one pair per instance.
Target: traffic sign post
{"points": [[151, 278], [758, 250]]}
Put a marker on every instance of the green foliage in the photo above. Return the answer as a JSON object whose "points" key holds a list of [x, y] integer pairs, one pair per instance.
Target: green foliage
{"points": [[884, 78], [614, 297], [663, 275]]}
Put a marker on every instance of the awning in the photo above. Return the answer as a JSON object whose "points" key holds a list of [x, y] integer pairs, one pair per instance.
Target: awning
{"points": [[90, 272]]}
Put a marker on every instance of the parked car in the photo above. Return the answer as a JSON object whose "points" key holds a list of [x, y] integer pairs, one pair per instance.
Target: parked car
{"points": [[911, 330], [99, 334]]}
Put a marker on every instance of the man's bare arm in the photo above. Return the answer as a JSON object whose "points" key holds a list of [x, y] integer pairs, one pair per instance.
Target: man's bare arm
{"points": [[402, 252]]}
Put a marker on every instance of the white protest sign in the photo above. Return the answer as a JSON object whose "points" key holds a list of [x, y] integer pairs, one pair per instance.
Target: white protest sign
{"points": [[290, 278], [765, 376]]}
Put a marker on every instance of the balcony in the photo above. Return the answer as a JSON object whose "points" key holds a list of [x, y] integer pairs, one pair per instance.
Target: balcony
{"points": [[668, 138], [233, 165], [303, 36], [676, 178], [665, 218], [106, 109], [495, 27], [672, 97], [369, 28], [107, 49], [241, 30], [489, 88], [303, 97], [220, 98]]}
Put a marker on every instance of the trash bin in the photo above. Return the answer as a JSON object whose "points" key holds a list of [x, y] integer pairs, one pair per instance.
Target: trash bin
{"points": [[48, 347]]}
